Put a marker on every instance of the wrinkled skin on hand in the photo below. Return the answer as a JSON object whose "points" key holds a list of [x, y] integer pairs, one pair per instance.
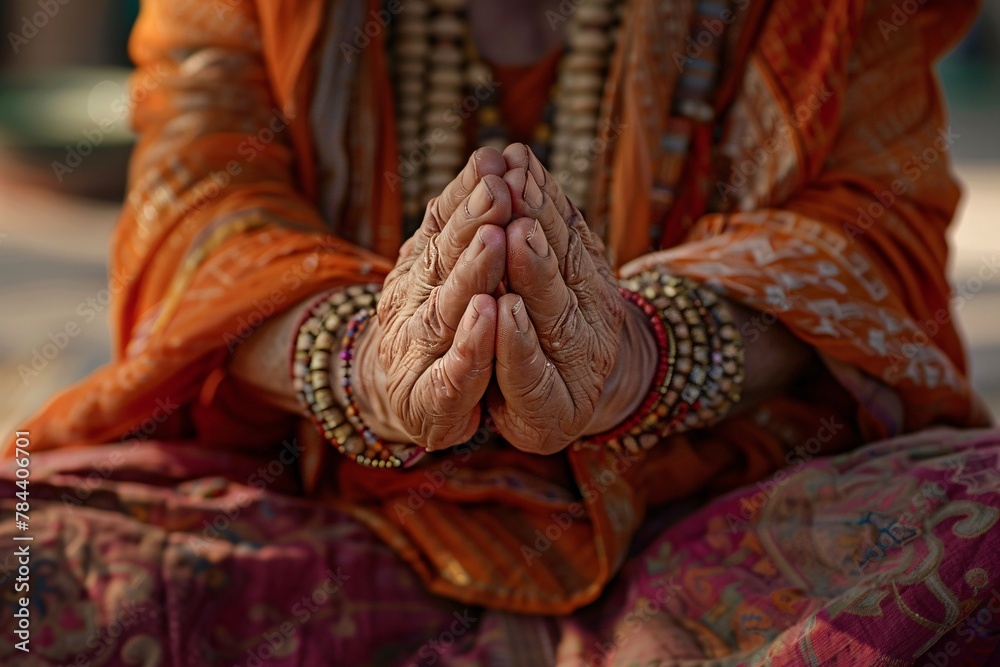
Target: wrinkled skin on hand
{"points": [[559, 330], [432, 343], [569, 355]]}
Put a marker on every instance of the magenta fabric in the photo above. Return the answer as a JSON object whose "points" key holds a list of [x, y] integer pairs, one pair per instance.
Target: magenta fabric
{"points": [[160, 554]]}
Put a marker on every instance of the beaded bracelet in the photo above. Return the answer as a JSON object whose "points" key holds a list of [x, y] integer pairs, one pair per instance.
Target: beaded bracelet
{"points": [[699, 374], [666, 356], [726, 368], [375, 449], [317, 333]]}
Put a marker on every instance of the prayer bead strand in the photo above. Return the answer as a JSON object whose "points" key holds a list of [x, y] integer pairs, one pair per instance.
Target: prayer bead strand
{"points": [[436, 69]]}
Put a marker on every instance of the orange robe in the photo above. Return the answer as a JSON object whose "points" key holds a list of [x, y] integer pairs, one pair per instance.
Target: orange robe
{"points": [[222, 229]]}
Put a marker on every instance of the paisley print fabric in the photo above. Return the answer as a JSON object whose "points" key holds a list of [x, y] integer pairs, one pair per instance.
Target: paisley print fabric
{"points": [[884, 556], [827, 197]]}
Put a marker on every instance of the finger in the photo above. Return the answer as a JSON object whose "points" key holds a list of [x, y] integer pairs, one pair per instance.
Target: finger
{"points": [[583, 273], [654, 261], [427, 262], [533, 272], [483, 162], [479, 271], [527, 436], [520, 155], [528, 201], [489, 204], [526, 378], [448, 394], [394, 289], [595, 248]]}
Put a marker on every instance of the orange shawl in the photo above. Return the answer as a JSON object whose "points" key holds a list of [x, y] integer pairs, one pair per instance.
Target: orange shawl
{"points": [[831, 110]]}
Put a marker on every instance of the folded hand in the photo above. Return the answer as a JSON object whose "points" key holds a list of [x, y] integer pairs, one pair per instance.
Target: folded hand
{"points": [[573, 357]]}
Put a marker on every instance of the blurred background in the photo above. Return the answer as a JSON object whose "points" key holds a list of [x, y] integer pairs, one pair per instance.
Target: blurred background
{"points": [[64, 145]]}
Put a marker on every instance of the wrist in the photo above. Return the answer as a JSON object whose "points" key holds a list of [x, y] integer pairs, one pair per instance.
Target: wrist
{"points": [[632, 376], [368, 382]]}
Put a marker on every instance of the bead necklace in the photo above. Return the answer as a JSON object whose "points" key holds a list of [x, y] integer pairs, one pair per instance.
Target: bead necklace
{"points": [[436, 69]]}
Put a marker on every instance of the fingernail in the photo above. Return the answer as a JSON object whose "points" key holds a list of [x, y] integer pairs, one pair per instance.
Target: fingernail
{"points": [[475, 163], [520, 316], [479, 201], [471, 316], [532, 193], [537, 241], [536, 168], [478, 245]]}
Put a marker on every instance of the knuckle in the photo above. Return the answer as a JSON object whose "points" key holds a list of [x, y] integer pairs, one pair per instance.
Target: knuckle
{"points": [[574, 268], [386, 352], [449, 253], [442, 387], [433, 223], [392, 346], [443, 435], [430, 262], [399, 402], [476, 360], [391, 302], [437, 331], [563, 332]]}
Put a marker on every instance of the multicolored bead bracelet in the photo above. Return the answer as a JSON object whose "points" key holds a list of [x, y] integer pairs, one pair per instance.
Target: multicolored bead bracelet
{"points": [[318, 332], [699, 374]]}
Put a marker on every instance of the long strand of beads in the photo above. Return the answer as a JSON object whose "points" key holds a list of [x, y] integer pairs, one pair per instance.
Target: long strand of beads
{"points": [[578, 95], [409, 58], [435, 62], [443, 137]]}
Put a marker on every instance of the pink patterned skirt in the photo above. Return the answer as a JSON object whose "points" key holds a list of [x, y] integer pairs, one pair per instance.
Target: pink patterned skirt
{"points": [[889, 555]]}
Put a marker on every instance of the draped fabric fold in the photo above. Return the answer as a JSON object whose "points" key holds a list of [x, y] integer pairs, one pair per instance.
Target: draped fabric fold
{"points": [[222, 229]]}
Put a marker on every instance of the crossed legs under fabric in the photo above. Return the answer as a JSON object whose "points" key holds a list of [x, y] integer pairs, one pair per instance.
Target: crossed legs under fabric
{"points": [[887, 555]]}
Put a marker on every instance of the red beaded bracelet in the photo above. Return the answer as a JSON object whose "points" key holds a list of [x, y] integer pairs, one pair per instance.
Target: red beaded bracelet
{"points": [[666, 351]]}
